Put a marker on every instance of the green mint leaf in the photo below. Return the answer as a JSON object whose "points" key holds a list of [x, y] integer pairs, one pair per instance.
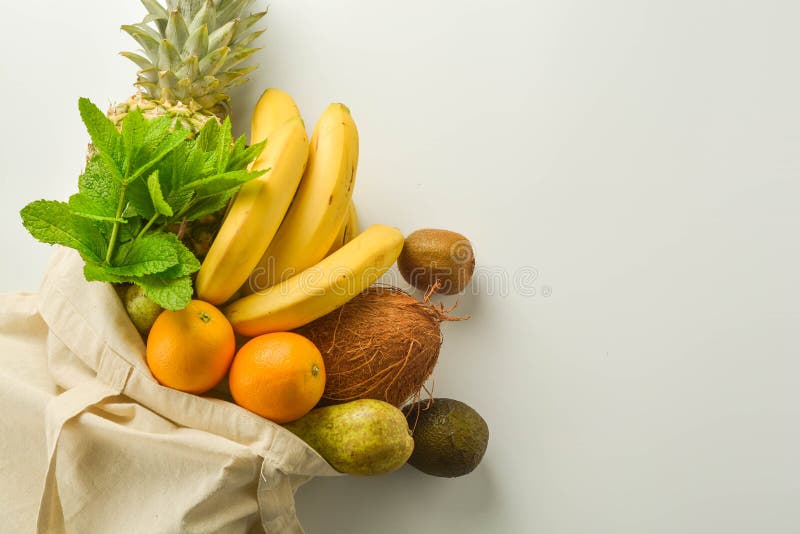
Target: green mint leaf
{"points": [[209, 205], [187, 262], [209, 165], [157, 196], [180, 200], [195, 165], [169, 293], [151, 247], [98, 195], [137, 194], [208, 137], [157, 130], [171, 168], [169, 144], [241, 157], [133, 131], [129, 231], [239, 145], [94, 272], [129, 211], [150, 254], [140, 172], [53, 222], [98, 186], [221, 183], [83, 206], [114, 165], [223, 149], [104, 134], [198, 189]]}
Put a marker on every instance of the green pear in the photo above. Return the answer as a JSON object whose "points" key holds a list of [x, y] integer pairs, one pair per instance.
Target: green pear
{"points": [[141, 309], [363, 437]]}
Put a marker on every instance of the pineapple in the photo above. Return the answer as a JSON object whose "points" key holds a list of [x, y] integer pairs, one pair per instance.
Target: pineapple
{"points": [[191, 59], [192, 52]]}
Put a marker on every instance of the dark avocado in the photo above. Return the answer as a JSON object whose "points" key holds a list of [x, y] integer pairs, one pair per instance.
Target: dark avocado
{"points": [[450, 438]]}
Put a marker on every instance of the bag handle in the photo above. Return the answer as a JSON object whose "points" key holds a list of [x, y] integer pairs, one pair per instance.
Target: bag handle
{"points": [[60, 411]]}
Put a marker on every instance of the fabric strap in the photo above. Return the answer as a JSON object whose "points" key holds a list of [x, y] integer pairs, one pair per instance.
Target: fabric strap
{"points": [[60, 411]]}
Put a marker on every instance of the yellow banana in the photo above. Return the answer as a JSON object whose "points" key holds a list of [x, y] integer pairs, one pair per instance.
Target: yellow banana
{"points": [[320, 289], [339, 241], [320, 205], [273, 109], [220, 271], [255, 215], [352, 229], [348, 230]]}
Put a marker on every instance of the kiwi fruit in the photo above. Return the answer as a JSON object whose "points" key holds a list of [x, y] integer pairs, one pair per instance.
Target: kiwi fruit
{"points": [[438, 259]]}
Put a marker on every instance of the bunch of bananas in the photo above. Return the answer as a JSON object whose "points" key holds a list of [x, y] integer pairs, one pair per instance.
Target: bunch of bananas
{"points": [[290, 246]]}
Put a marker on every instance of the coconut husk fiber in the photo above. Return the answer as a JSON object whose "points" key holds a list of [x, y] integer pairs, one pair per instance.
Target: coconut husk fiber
{"points": [[381, 345]]}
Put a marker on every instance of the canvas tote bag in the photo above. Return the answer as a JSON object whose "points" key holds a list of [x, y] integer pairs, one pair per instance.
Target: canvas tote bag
{"points": [[122, 453]]}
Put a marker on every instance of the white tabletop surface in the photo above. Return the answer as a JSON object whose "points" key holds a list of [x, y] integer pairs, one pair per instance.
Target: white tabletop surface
{"points": [[628, 171]]}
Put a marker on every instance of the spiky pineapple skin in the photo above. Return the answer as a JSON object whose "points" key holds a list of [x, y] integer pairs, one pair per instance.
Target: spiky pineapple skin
{"points": [[190, 58], [191, 55]]}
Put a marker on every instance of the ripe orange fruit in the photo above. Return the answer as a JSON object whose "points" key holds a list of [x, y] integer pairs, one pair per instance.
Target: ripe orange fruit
{"points": [[191, 349], [280, 376]]}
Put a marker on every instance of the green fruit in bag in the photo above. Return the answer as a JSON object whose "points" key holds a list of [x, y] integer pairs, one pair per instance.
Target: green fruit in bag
{"points": [[141, 309], [363, 437]]}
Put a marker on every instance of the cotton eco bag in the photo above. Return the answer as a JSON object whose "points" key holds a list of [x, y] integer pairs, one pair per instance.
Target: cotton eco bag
{"points": [[125, 454]]}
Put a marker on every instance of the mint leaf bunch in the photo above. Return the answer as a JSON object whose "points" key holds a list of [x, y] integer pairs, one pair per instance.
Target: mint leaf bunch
{"points": [[139, 181]]}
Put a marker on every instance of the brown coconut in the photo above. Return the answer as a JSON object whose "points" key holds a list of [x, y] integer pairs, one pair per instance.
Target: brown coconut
{"points": [[381, 345]]}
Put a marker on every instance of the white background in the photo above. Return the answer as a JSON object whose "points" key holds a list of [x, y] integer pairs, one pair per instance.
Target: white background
{"points": [[640, 155]]}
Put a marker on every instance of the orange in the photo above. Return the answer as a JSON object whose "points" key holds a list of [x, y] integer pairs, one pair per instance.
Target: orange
{"points": [[280, 376], [191, 349]]}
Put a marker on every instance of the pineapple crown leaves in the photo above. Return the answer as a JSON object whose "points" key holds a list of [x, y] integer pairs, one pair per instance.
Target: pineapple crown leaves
{"points": [[139, 181], [192, 51]]}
